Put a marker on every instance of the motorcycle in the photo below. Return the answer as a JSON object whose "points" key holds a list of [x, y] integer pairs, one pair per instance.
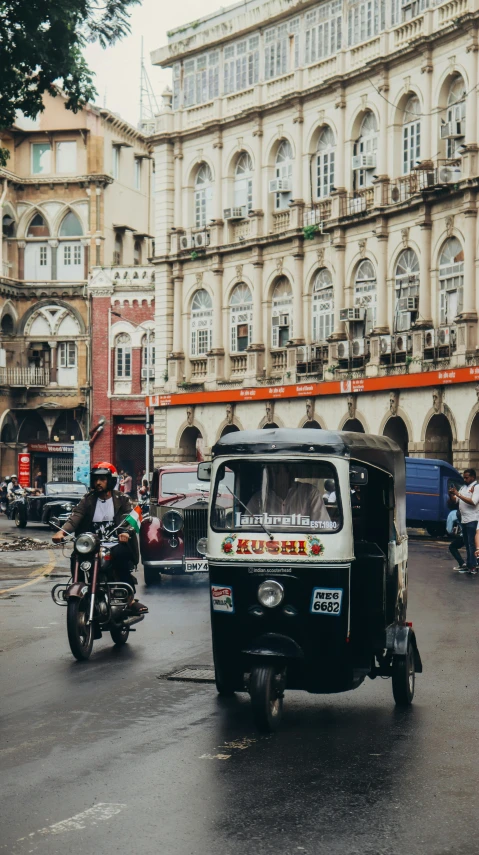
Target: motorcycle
{"points": [[94, 604]]}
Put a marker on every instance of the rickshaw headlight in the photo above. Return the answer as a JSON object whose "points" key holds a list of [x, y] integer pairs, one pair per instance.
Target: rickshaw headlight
{"points": [[270, 594]]}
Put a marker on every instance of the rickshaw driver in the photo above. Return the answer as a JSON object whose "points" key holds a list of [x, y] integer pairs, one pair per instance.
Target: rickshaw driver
{"points": [[282, 493]]}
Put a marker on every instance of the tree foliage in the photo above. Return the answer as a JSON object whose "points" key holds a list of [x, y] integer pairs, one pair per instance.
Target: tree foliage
{"points": [[41, 44]]}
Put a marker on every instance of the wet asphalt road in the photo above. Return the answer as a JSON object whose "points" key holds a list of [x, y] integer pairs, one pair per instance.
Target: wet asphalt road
{"points": [[105, 757]]}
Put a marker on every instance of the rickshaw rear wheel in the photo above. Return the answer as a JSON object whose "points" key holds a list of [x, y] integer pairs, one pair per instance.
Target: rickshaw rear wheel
{"points": [[404, 678], [266, 690]]}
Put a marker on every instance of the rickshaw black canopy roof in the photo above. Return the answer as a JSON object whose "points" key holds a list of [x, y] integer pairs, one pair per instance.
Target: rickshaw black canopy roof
{"points": [[378, 451]]}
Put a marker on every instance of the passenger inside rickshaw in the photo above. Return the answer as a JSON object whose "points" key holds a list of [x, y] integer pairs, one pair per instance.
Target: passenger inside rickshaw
{"points": [[372, 508]]}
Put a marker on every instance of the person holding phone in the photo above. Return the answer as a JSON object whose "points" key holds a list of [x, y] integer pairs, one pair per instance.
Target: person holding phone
{"points": [[467, 501]]}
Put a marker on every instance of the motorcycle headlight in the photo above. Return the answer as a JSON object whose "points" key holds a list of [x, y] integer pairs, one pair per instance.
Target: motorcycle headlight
{"points": [[270, 593], [172, 522], [86, 543]]}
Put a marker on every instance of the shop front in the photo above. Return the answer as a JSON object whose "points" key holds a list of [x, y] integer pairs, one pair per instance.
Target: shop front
{"points": [[53, 459], [130, 448]]}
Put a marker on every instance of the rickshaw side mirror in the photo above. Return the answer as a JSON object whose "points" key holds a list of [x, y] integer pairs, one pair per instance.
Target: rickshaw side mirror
{"points": [[358, 476], [204, 471]]}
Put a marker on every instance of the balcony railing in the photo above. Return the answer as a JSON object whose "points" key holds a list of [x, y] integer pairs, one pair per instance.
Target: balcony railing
{"points": [[24, 376], [281, 221], [319, 212], [134, 273], [239, 364], [199, 368], [279, 361], [6, 269], [359, 202]]}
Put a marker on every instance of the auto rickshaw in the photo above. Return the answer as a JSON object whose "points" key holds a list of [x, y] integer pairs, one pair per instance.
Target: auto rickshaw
{"points": [[308, 565]]}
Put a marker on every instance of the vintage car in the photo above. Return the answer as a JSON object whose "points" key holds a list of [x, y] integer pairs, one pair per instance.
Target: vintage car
{"points": [[178, 518], [51, 507]]}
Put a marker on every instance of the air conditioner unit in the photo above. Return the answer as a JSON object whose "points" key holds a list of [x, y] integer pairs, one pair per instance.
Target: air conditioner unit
{"points": [[452, 130], [444, 337], [147, 372], [343, 349], [186, 242], [429, 339], [354, 314], [449, 175], [401, 343], [284, 320], [234, 213], [408, 304], [364, 161], [358, 347], [201, 239], [275, 320], [280, 185], [385, 345], [427, 179]]}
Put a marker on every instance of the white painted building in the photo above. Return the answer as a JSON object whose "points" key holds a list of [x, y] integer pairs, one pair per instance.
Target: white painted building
{"points": [[316, 221]]}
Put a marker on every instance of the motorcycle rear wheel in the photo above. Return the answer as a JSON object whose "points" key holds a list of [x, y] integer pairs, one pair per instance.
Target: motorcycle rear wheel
{"points": [[80, 634], [119, 634]]}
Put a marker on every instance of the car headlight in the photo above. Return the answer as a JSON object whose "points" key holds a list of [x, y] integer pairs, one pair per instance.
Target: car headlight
{"points": [[67, 507], [86, 543], [172, 522], [270, 593]]}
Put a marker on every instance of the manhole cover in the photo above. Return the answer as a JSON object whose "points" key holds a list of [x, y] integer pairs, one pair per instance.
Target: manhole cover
{"points": [[198, 674]]}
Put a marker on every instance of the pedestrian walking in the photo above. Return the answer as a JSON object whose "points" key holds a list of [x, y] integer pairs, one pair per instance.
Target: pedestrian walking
{"points": [[467, 502], [453, 528], [128, 483]]}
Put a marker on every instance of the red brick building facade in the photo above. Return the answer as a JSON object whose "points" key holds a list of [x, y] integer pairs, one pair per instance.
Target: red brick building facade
{"points": [[122, 312]]}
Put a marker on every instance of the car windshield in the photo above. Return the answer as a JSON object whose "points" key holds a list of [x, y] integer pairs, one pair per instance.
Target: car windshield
{"points": [[54, 488], [277, 495]]}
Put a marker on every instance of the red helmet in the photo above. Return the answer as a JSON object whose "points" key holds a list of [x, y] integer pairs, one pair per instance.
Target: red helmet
{"points": [[102, 469]]}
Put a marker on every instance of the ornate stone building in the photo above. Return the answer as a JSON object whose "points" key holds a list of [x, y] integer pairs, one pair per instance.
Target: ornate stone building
{"points": [[316, 244], [76, 192]]}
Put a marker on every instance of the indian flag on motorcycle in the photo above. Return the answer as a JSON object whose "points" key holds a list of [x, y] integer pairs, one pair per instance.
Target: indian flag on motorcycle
{"points": [[135, 519]]}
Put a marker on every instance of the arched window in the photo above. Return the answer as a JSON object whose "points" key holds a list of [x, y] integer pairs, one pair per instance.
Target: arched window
{"points": [[8, 226], [282, 313], [451, 280], [323, 306], [243, 189], [148, 354], [454, 129], [203, 196], [123, 356], [365, 293], [71, 226], [137, 253], [284, 174], [38, 227], [365, 148], [407, 285], [7, 325], [411, 135], [201, 323], [118, 249], [241, 317], [325, 163]]}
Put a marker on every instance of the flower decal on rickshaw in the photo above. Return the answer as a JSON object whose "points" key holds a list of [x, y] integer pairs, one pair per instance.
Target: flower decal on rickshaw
{"points": [[228, 544], [316, 547]]}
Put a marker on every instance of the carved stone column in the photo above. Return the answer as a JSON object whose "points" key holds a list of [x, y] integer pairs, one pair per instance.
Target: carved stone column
{"points": [[178, 156], [21, 259], [53, 244], [53, 345]]}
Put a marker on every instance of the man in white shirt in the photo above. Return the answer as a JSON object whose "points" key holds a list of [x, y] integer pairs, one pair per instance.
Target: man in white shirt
{"points": [[467, 499]]}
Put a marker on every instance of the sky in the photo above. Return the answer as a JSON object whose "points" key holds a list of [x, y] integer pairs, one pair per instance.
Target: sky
{"points": [[117, 69]]}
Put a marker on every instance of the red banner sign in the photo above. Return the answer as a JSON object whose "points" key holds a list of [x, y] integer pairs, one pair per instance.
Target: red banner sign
{"points": [[51, 447], [312, 390], [24, 470]]}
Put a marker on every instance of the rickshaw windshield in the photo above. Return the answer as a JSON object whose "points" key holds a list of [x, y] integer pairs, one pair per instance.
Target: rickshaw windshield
{"points": [[278, 495]]}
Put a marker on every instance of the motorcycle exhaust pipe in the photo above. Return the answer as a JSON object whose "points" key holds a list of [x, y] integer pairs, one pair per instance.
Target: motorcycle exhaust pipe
{"points": [[133, 619]]}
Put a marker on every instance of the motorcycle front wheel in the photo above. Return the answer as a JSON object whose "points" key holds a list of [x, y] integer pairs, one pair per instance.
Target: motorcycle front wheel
{"points": [[80, 634]]}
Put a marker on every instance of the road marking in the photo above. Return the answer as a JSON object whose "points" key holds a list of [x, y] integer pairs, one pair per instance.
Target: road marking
{"points": [[35, 575], [86, 819]]}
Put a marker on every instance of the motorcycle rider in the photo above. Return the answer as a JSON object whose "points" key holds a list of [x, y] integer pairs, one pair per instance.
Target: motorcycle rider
{"points": [[102, 510]]}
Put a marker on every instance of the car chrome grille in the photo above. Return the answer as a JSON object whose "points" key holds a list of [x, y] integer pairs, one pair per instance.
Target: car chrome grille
{"points": [[196, 521]]}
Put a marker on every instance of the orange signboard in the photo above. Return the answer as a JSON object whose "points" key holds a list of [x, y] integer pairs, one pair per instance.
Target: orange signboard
{"points": [[312, 390]]}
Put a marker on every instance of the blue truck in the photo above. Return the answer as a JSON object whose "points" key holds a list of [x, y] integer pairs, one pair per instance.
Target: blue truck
{"points": [[427, 485]]}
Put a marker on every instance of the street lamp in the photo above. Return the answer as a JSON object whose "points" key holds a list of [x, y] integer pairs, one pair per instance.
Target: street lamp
{"points": [[147, 409]]}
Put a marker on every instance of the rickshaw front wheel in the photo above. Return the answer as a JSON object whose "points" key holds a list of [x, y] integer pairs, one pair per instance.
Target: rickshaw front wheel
{"points": [[404, 678], [266, 690]]}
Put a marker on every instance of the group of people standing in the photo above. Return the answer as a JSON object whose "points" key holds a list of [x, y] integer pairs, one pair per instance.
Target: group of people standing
{"points": [[463, 523], [126, 485]]}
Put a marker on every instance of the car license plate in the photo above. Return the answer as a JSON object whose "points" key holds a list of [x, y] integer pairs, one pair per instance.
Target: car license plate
{"points": [[327, 601], [196, 566]]}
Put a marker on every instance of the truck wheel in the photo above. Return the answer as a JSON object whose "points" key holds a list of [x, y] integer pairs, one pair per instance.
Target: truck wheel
{"points": [[404, 678], [20, 518], [266, 690]]}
